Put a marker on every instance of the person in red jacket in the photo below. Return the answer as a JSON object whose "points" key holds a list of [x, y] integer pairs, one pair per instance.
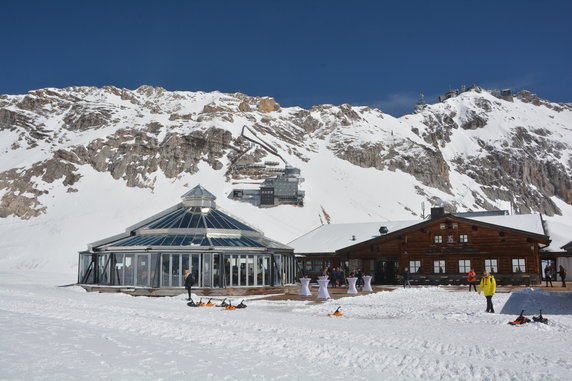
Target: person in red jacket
{"points": [[472, 279]]}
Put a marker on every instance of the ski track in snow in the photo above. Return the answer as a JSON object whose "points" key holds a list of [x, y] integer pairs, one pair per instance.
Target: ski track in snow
{"points": [[51, 333]]}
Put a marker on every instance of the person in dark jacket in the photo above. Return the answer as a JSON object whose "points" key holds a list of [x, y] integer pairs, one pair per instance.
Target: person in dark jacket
{"points": [[359, 278], [562, 272], [548, 275], [333, 277], [405, 275], [189, 281]]}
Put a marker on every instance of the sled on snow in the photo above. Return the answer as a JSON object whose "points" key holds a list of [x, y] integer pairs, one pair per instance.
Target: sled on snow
{"points": [[337, 313], [540, 319], [521, 319]]}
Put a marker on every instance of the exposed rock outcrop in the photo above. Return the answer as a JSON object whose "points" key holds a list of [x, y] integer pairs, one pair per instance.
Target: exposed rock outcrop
{"points": [[268, 105], [133, 135]]}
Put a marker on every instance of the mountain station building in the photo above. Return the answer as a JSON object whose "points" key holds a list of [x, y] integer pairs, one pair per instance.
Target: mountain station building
{"points": [[220, 250]]}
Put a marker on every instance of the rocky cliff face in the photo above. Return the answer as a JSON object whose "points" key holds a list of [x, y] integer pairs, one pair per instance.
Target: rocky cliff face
{"points": [[518, 152]]}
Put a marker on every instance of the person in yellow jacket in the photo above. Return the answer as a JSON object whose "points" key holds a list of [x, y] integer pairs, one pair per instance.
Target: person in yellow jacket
{"points": [[489, 286]]}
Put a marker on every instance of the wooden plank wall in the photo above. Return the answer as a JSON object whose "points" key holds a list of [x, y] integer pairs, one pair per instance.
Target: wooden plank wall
{"points": [[483, 243]]}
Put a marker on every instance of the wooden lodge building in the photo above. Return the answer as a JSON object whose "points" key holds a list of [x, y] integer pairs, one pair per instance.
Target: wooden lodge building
{"points": [[439, 250]]}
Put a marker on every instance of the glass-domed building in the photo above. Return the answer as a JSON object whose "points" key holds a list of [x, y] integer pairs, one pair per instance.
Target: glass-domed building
{"points": [[219, 249]]}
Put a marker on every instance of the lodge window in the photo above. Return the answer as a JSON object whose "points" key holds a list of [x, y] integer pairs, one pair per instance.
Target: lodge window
{"points": [[464, 266], [463, 238], [414, 266], [450, 238], [490, 265], [438, 267], [518, 265], [438, 239], [442, 226], [314, 266]]}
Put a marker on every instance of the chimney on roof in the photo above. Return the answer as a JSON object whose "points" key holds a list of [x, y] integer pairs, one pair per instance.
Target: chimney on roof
{"points": [[383, 230], [353, 237], [437, 212]]}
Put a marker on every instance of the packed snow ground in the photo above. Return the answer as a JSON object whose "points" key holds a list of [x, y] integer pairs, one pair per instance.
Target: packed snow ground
{"points": [[51, 330]]}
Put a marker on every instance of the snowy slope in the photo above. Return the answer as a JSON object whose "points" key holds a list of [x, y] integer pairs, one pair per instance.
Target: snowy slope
{"points": [[80, 164]]}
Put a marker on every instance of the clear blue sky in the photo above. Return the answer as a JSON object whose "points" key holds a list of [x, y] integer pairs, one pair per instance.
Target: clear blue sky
{"points": [[377, 53]]}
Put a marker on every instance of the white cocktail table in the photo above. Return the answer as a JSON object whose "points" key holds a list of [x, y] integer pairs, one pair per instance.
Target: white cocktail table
{"points": [[323, 290], [352, 285], [304, 289], [367, 283]]}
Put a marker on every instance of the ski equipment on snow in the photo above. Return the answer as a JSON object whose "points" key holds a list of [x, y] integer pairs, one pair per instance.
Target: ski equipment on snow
{"points": [[223, 303], [337, 313], [540, 319], [241, 305], [192, 304], [521, 319]]}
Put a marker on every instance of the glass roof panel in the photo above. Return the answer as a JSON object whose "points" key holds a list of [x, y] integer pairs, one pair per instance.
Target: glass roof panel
{"points": [[187, 240], [215, 222], [168, 240], [185, 221], [178, 241], [167, 221], [229, 222], [201, 240]]}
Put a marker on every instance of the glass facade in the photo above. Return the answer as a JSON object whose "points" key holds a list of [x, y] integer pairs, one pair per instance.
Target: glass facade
{"points": [[218, 249], [167, 270]]}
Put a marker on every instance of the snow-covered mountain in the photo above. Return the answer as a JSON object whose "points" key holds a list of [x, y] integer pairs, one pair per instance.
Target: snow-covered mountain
{"points": [[82, 163]]}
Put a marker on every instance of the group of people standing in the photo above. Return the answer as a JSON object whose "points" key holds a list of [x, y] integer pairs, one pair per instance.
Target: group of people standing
{"points": [[338, 276], [550, 273]]}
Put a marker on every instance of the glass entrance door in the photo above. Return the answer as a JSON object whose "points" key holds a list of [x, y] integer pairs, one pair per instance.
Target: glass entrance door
{"points": [[546, 263]]}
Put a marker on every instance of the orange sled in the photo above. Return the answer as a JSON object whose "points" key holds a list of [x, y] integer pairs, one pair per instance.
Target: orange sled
{"points": [[337, 313]]}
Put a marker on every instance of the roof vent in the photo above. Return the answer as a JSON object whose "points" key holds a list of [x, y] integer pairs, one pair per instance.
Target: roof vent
{"points": [[383, 230]]}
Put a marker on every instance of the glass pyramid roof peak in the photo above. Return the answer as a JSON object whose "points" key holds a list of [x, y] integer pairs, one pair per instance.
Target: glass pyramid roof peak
{"points": [[199, 196]]}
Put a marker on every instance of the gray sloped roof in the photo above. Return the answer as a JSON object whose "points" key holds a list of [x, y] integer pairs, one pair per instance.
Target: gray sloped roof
{"points": [[333, 237], [199, 192]]}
